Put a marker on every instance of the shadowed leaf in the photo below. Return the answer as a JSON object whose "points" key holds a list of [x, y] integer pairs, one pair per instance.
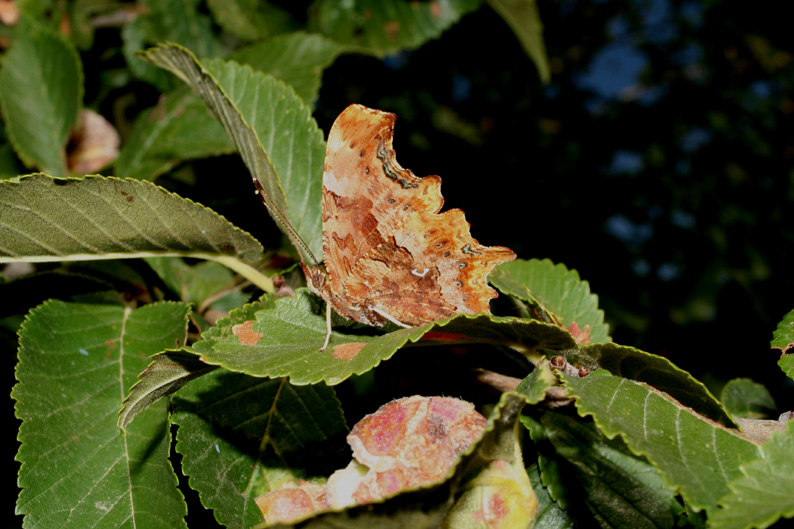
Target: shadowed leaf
{"points": [[242, 436], [383, 27], [523, 18], [169, 371], [41, 89]]}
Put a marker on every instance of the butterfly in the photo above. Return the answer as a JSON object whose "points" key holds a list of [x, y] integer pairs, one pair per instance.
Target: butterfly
{"points": [[388, 254]]}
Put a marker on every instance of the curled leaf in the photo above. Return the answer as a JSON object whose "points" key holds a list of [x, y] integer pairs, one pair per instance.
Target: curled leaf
{"points": [[411, 442], [93, 144]]}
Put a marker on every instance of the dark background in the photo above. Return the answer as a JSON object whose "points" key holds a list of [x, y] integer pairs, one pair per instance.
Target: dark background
{"points": [[656, 162]]}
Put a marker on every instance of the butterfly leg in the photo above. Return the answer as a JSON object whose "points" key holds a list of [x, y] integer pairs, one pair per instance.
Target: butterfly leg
{"points": [[327, 326], [390, 317]]}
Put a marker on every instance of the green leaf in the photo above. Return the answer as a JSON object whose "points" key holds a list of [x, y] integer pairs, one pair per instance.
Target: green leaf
{"points": [[78, 469], [41, 89], [169, 371], [655, 371], [696, 457], [274, 132], [783, 337], [298, 59], [384, 27], [179, 21], [250, 19], [199, 283], [621, 489], [535, 385], [242, 436], [550, 514], [493, 472], [288, 336], [9, 163], [558, 289], [786, 363], [46, 219], [555, 479], [765, 491], [181, 127], [134, 39], [747, 399], [178, 128], [523, 18]]}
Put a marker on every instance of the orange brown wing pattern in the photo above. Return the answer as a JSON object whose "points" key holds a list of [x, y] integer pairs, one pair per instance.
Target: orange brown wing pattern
{"points": [[389, 253]]}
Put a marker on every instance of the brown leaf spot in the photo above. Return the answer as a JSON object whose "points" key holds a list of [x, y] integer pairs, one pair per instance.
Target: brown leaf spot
{"points": [[347, 351], [246, 334], [436, 10], [392, 29]]}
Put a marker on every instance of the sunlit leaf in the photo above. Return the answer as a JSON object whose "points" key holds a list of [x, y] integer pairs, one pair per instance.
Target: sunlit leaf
{"points": [[747, 399], [765, 491], [78, 469], [285, 340], [559, 290], [696, 457], [783, 337], [655, 371], [47, 219], [786, 363]]}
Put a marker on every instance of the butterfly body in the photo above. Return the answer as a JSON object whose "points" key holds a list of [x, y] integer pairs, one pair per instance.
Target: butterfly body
{"points": [[389, 255]]}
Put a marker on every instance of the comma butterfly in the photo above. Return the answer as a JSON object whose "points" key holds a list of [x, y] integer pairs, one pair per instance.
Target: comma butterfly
{"points": [[389, 255]]}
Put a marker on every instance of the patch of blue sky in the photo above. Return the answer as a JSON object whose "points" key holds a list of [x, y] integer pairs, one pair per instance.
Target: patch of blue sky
{"points": [[668, 271], [627, 231], [695, 138], [614, 68], [682, 219], [625, 161]]}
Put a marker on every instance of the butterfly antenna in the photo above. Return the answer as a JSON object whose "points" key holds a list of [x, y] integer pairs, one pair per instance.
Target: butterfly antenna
{"points": [[282, 219]]}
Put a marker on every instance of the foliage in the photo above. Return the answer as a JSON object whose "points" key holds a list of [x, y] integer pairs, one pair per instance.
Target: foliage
{"points": [[210, 335]]}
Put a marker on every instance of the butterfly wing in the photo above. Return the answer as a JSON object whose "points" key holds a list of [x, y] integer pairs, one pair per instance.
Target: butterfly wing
{"points": [[389, 253]]}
